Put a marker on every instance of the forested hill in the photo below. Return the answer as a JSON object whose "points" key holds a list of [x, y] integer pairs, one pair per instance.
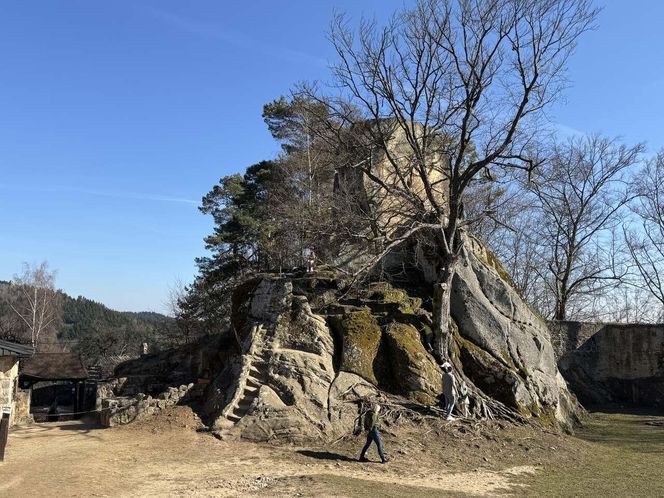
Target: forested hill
{"points": [[95, 330]]}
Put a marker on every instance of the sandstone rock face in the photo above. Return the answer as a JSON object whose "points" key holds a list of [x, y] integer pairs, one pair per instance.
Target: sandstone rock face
{"points": [[417, 374], [301, 373], [360, 336], [305, 352], [284, 383], [503, 346]]}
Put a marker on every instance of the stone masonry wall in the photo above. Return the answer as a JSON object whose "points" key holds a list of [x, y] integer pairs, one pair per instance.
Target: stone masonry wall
{"points": [[569, 336], [8, 376], [121, 410], [22, 413], [612, 363]]}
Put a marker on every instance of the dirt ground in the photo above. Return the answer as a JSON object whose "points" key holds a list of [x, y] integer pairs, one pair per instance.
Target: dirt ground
{"points": [[166, 456]]}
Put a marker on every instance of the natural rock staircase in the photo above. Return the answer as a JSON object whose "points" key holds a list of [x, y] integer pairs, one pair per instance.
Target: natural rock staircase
{"points": [[252, 377]]}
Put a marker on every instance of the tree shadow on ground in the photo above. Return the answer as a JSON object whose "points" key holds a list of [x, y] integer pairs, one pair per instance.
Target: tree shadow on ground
{"points": [[614, 408], [326, 455], [83, 425]]}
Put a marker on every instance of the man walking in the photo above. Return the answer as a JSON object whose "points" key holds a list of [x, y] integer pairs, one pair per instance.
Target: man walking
{"points": [[374, 436]]}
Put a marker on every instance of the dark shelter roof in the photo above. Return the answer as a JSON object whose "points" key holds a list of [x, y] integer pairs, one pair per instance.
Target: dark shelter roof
{"points": [[8, 348], [53, 366]]}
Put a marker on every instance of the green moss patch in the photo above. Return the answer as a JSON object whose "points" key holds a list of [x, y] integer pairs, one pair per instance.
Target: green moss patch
{"points": [[415, 373], [360, 334], [383, 291]]}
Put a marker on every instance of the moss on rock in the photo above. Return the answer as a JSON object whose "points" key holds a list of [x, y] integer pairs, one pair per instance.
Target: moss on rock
{"points": [[489, 374], [385, 292], [360, 334], [414, 370]]}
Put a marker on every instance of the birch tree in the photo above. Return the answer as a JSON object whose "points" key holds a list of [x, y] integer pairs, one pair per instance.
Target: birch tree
{"points": [[35, 301]]}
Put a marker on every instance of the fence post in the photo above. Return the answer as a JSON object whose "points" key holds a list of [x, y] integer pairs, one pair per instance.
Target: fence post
{"points": [[4, 432]]}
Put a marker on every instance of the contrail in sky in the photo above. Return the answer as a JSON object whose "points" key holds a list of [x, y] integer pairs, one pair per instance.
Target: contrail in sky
{"points": [[232, 37], [103, 193]]}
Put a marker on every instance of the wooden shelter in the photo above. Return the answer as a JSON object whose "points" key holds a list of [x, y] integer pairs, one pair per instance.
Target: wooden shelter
{"points": [[56, 368]]}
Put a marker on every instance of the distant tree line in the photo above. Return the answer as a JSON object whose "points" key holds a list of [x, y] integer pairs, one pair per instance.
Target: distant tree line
{"points": [[33, 311]]}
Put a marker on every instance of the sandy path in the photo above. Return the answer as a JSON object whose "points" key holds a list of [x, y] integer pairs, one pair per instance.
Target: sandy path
{"points": [[72, 459]]}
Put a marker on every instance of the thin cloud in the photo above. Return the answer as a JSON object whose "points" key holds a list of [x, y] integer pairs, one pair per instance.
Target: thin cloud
{"points": [[235, 38], [568, 131], [103, 193]]}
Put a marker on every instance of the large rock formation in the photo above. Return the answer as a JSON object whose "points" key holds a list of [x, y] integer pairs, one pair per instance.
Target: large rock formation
{"points": [[309, 353], [304, 353]]}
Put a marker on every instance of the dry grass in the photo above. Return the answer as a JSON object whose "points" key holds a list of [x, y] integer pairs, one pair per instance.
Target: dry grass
{"points": [[614, 455], [621, 455]]}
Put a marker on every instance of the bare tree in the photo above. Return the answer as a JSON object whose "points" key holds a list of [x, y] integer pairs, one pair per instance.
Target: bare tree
{"points": [[581, 193], [446, 90], [516, 243], [646, 241], [35, 300]]}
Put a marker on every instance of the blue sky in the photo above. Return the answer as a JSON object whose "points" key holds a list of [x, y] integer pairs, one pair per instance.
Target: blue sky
{"points": [[117, 117]]}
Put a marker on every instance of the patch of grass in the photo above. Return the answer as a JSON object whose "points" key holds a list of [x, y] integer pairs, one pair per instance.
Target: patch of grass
{"points": [[334, 485], [624, 456]]}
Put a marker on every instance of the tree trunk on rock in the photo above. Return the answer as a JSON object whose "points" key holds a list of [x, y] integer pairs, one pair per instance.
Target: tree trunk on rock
{"points": [[441, 312]]}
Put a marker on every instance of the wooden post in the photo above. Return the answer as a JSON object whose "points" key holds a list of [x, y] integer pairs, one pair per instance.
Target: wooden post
{"points": [[4, 433], [77, 400], [84, 401]]}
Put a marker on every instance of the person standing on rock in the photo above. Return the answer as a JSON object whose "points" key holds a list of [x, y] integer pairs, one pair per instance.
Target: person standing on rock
{"points": [[374, 436], [449, 390], [311, 261], [464, 400]]}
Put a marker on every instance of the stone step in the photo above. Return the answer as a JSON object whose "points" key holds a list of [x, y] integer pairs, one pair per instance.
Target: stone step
{"points": [[245, 403], [253, 383], [255, 369], [232, 417]]}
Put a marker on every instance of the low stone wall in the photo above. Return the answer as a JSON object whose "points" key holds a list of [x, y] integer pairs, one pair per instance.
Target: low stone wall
{"points": [[22, 407], [612, 363], [8, 380], [121, 410]]}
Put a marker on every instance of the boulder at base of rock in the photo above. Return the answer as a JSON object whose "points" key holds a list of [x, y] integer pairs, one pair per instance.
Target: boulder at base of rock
{"points": [[414, 371], [360, 337]]}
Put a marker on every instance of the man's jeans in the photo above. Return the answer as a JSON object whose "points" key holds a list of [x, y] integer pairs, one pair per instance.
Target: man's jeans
{"points": [[374, 435], [450, 401]]}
